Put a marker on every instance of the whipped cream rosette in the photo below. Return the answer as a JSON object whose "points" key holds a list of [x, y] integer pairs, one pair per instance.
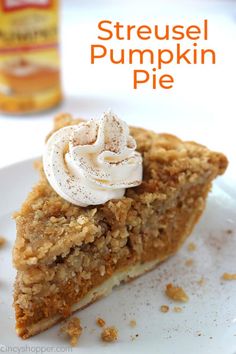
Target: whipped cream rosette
{"points": [[93, 162]]}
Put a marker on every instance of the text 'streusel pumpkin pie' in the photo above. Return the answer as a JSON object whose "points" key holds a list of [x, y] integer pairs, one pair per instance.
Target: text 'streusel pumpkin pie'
{"points": [[66, 255]]}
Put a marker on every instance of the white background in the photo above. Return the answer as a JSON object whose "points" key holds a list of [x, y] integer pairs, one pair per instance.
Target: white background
{"points": [[201, 106]]}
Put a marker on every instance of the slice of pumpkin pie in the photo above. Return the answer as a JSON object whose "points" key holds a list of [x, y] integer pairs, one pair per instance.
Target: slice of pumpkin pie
{"points": [[110, 205]]}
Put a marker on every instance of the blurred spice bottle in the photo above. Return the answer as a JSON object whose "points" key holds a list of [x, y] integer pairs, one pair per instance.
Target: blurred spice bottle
{"points": [[29, 55]]}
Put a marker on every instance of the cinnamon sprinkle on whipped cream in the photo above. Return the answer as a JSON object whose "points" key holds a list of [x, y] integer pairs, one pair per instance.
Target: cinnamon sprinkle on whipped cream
{"points": [[92, 162]]}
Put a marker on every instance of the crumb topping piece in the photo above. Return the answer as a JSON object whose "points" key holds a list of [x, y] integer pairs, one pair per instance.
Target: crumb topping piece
{"points": [[177, 309], [201, 281], [164, 308], [192, 247], [109, 334], [73, 329], [189, 262], [2, 241], [229, 276], [100, 322], [176, 293], [133, 323]]}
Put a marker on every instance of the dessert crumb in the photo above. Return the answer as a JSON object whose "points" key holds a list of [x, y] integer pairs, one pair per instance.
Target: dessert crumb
{"points": [[201, 281], [192, 247], [229, 276], [189, 262], [100, 322], [73, 329], [2, 241], [164, 308], [109, 334], [177, 309], [176, 293], [132, 323]]}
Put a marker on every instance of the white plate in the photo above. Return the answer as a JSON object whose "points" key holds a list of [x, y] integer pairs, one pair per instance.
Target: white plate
{"points": [[207, 323]]}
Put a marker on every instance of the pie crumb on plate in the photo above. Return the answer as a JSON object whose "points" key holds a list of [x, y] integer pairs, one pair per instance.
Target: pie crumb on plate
{"points": [[72, 328], [133, 323], [176, 293], [229, 276], [2, 241], [109, 334], [164, 308], [100, 322]]}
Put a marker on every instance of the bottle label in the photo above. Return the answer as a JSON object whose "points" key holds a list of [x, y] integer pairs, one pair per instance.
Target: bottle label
{"points": [[29, 55], [11, 5]]}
